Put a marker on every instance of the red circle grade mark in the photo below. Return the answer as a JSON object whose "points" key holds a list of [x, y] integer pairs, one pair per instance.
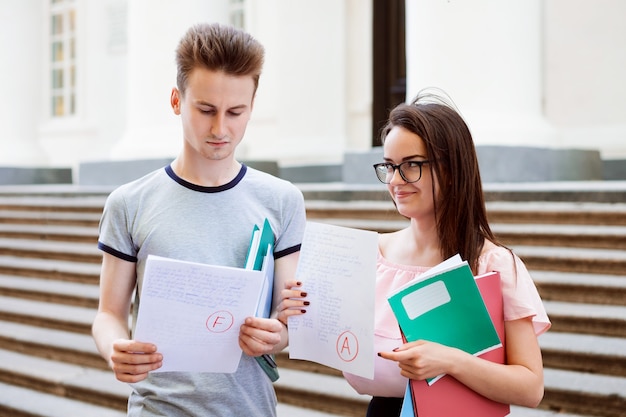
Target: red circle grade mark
{"points": [[347, 346], [220, 321]]}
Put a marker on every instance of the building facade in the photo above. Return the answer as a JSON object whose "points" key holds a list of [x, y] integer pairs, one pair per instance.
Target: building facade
{"points": [[90, 80]]}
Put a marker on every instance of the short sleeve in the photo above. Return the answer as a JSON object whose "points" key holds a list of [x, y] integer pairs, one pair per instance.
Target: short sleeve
{"points": [[114, 236], [520, 296]]}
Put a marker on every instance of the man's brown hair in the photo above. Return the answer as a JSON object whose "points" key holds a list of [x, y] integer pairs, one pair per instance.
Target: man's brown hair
{"points": [[218, 47]]}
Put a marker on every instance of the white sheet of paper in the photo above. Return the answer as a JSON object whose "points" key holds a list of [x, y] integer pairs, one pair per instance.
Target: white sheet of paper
{"points": [[192, 312], [337, 267]]}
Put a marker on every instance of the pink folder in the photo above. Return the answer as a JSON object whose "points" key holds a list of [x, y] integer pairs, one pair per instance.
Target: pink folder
{"points": [[448, 397]]}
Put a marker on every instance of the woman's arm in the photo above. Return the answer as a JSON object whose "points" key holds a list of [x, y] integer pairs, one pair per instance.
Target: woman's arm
{"points": [[519, 381]]}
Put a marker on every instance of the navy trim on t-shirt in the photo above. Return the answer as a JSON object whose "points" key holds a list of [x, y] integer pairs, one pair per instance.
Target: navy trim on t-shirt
{"points": [[170, 172], [116, 253], [287, 251]]}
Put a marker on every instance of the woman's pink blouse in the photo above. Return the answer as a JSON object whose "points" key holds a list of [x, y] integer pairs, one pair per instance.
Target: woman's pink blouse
{"points": [[520, 299]]}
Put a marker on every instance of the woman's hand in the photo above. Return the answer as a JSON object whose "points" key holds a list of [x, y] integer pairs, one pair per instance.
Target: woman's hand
{"points": [[422, 359], [293, 302]]}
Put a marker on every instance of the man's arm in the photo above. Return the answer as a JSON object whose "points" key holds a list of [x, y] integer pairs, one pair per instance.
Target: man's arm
{"points": [[129, 359]]}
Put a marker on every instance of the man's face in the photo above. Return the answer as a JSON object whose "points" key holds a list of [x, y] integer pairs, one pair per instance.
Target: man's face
{"points": [[215, 110]]}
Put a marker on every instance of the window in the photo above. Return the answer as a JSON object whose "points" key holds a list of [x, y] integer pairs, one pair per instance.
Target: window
{"points": [[62, 58]]}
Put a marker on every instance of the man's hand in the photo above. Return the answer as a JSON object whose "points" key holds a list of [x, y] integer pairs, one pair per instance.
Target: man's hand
{"points": [[131, 360]]}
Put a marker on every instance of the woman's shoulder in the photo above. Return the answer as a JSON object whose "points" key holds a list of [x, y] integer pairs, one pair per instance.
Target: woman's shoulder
{"points": [[392, 243], [492, 249], [495, 257], [386, 239]]}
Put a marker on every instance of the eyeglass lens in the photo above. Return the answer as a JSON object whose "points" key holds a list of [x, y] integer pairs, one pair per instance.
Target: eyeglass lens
{"points": [[410, 171]]}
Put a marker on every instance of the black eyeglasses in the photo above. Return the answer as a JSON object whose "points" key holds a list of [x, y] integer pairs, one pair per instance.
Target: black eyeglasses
{"points": [[410, 171]]}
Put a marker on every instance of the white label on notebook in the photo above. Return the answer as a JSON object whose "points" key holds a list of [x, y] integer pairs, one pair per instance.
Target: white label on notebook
{"points": [[425, 299]]}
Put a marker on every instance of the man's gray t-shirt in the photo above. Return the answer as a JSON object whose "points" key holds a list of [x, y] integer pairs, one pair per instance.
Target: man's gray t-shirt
{"points": [[162, 214]]}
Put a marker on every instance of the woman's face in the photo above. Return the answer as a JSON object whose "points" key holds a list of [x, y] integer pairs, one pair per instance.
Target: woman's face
{"points": [[413, 199]]}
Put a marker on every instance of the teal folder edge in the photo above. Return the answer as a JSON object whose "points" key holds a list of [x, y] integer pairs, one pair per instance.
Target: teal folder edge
{"points": [[259, 250]]}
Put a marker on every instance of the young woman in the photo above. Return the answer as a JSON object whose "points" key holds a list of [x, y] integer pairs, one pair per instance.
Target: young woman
{"points": [[431, 171]]}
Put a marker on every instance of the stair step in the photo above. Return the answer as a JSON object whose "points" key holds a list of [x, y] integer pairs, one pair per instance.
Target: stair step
{"points": [[582, 288], [288, 410], [68, 199], [330, 394], [561, 350], [44, 249], [60, 345], [51, 291], [577, 236], [606, 392], [326, 393], [563, 212], [50, 315], [86, 384], [379, 226], [50, 269], [23, 402], [595, 395], [602, 320], [584, 353], [62, 218], [576, 252], [579, 260], [381, 208], [65, 233], [595, 213]]}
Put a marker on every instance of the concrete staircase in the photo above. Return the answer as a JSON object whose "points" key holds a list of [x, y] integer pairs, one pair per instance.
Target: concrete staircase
{"points": [[574, 243]]}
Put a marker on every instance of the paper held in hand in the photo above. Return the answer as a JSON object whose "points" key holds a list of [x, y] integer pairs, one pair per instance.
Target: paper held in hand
{"points": [[193, 312], [337, 267]]}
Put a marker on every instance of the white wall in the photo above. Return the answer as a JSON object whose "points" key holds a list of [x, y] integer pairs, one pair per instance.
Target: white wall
{"points": [[300, 113], [523, 72], [585, 73], [544, 73], [152, 130], [486, 55]]}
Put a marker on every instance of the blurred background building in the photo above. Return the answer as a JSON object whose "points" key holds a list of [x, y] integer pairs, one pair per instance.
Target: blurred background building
{"points": [[88, 81]]}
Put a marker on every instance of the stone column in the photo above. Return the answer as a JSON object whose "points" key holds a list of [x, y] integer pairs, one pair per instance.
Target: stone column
{"points": [[20, 66], [486, 54]]}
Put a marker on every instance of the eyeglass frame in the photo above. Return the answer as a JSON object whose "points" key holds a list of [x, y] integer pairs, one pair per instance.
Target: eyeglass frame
{"points": [[398, 167]]}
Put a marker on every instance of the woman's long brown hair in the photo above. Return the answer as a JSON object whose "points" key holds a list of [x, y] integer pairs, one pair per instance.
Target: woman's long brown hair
{"points": [[460, 209]]}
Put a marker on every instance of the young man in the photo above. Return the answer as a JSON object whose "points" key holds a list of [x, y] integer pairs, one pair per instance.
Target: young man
{"points": [[200, 208]]}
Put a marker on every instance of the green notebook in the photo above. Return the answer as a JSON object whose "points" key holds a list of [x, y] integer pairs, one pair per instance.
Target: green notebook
{"points": [[445, 307]]}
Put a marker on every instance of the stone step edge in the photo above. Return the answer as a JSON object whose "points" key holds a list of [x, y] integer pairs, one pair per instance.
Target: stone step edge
{"points": [[16, 399], [106, 390], [83, 316], [86, 384], [52, 288], [66, 345]]}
